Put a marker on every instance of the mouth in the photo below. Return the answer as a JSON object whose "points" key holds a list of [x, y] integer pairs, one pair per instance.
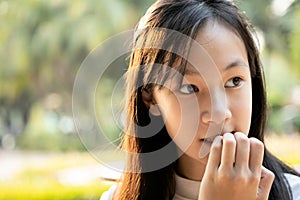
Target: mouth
{"points": [[209, 140]]}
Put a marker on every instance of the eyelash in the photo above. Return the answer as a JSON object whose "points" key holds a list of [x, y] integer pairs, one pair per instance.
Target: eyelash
{"points": [[188, 86], [239, 79], [193, 89]]}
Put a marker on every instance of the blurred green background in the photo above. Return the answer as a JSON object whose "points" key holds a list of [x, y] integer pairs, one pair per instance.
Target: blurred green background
{"points": [[43, 43]]}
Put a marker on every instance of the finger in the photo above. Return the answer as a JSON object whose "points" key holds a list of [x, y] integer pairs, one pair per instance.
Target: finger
{"points": [[265, 184], [228, 151], [242, 150], [214, 158], [256, 156]]}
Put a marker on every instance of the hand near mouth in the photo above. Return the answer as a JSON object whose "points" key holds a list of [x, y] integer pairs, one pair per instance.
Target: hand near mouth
{"points": [[234, 170], [212, 138]]}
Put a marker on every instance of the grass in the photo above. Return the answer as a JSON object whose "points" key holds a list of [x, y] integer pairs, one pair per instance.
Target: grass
{"points": [[47, 189], [38, 179]]}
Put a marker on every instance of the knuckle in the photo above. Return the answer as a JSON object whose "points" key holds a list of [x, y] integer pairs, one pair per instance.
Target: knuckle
{"points": [[271, 175], [243, 140], [254, 179], [229, 142], [226, 177], [257, 144], [239, 178], [240, 181]]}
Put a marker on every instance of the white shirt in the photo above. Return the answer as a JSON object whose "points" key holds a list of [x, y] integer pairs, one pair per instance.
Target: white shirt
{"points": [[186, 189], [294, 182]]}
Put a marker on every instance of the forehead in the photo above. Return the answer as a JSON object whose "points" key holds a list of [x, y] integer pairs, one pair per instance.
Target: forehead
{"points": [[217, 45], [215, 31]]}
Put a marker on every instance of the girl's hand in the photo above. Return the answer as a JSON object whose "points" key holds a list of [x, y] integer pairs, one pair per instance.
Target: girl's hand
{"points": [[234, 170]]}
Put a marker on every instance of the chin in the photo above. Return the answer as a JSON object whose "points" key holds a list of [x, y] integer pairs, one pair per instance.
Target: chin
{"points": [[195, 155], [203, 159]]}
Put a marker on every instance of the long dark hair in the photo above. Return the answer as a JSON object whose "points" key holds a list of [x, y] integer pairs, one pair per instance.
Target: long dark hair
{"points": [[186, 17]]}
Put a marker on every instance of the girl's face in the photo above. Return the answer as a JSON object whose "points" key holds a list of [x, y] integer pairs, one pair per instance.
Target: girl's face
{"points": [[209, 104]]}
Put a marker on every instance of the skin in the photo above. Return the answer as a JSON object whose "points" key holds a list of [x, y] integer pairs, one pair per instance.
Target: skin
{"points": [[215, 104]]}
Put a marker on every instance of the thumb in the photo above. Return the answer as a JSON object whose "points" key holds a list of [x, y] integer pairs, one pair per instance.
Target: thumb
{"points": [[265, 184]]}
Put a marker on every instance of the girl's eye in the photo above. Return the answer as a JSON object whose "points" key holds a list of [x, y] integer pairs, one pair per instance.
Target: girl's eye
{"points": [[234, 82], [188, 89]]}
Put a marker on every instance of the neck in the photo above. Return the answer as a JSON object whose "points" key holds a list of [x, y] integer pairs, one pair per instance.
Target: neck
{"points": [[190, 168]]}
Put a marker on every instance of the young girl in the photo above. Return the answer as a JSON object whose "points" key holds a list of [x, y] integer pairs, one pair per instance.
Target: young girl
{"points": [[209, 98]]}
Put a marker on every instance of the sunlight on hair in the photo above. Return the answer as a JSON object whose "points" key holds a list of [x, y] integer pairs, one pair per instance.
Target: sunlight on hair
{"points": [[259, 39]]}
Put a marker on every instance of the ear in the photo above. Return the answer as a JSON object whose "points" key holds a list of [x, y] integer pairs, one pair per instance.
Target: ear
{"points": [[150, 102]]}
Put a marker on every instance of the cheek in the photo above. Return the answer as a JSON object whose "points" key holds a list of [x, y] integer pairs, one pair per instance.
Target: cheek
{"points": [[181, 121], [172, 118], [172, 115], [242, 110]]}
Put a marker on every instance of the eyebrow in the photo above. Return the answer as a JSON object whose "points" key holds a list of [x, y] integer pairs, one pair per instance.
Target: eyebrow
{"points": [[236, 63]]}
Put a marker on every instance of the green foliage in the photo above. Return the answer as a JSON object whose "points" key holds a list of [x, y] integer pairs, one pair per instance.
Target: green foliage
{"points": [[50, 142], [275, 120], [295, 44], [44, 133], [43, 44], [279, 77], [280, 55], [296, 121]]}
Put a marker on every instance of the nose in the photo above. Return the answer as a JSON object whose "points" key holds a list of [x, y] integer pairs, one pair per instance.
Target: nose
{"points": [[216, 110]]}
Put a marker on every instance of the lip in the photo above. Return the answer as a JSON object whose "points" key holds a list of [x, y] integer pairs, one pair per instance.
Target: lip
{"points": [[211, 139], [208, 140]]}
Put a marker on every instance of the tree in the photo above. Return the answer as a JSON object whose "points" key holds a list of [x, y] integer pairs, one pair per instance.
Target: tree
{"points": [[42, 46]]}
